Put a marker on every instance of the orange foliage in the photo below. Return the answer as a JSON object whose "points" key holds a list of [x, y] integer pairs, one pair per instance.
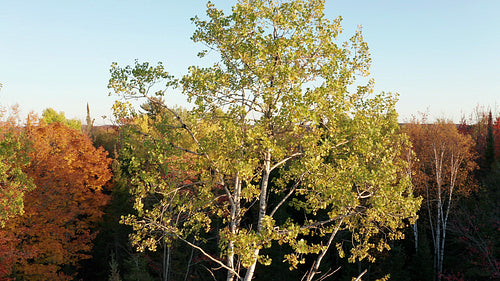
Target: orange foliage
{"points": [[9, 253], [445, 157], [56, 229]]}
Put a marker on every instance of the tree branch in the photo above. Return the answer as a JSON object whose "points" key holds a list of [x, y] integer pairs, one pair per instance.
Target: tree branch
{"points": [[285, 160], [209, 256], [287, 196], [361, 275], [315, 267]]}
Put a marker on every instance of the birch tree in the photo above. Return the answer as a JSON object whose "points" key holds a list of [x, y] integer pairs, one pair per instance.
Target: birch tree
{"points": [[279, 115], [443, 172]]}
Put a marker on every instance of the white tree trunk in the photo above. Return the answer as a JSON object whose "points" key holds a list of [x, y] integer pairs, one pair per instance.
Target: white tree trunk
{"points": [[315, 267], [234, 224], [262, 211], [415, 235]]}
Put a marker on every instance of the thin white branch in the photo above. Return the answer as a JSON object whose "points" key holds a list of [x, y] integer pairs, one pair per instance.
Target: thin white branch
{"points": [[285, 160], [209, 256]]}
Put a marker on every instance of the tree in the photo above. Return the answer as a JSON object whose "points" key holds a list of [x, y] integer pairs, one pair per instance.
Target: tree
{"points": [[489, 154], [481, 128], [277, 122], [496, 138], [55, 232], [49, 116], [476, 227], [444, 170], [14, 183], [90, 122]]}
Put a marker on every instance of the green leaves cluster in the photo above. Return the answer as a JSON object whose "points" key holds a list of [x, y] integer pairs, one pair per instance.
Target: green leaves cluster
{"points": [[13, 181], [49, 115]]}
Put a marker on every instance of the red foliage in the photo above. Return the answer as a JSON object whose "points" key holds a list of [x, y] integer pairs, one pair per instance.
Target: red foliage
{"points": [[496, 135], [453, 277]]}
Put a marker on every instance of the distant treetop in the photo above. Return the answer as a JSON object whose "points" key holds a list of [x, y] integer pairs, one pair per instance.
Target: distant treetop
{"points": [[49, 115]]}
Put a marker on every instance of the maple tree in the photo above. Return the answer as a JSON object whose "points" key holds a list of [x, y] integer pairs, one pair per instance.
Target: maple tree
{"points": [[279, 117], [56, 229], [446, 161]]}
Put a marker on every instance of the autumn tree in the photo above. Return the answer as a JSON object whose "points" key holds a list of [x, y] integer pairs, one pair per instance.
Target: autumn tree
{"points": [[442, 173], [280, 115], [480, 126], [55, 232], [14, 183], [496, 138]]}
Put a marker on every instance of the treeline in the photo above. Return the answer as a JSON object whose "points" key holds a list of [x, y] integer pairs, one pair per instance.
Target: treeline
{"points": [[61, 212], [287, 166]]}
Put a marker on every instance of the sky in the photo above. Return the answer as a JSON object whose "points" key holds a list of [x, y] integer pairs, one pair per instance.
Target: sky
{"points": [[442, 57]]}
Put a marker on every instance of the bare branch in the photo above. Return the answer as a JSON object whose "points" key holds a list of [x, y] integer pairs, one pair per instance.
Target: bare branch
{"points": [[328, 274], [361, 275], [186, 150], [209, 256], [315, 267], [294, 187]]}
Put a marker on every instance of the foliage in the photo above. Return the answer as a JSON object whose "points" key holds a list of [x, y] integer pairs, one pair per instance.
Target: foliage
{"points": [[282, 98], [136, 269], [482, 131], [55, 232], [112, 239], [49, 116], [14, 183], [115, 272], [106, 137]]}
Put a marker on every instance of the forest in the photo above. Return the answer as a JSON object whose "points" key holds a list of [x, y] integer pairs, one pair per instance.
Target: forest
{"points": [[287, 166]]}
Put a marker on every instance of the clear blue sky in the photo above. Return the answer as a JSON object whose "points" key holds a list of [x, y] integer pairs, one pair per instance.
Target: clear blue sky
{"points": [[440, 56]]}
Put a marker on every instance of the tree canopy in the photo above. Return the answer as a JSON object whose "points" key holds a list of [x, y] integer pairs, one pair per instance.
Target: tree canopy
{"points": [[55, 232]]}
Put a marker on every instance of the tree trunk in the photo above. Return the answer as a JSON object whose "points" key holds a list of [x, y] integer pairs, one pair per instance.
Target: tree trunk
{"points": [[415, 235], [166, 261], [315, 267], [438, 162], [189, 263], [262, 211], [234, 224]]}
